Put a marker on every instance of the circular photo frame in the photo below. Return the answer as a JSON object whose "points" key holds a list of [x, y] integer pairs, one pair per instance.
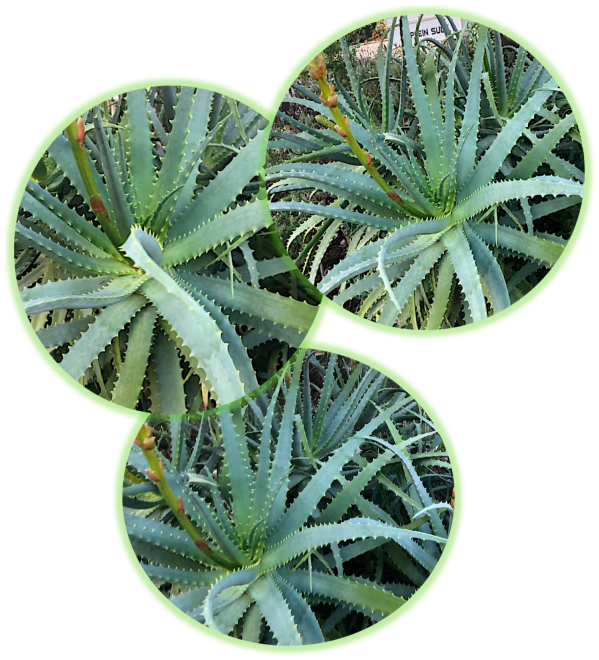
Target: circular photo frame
{"points": [[425, 172], [301, 516], [146, 258]]}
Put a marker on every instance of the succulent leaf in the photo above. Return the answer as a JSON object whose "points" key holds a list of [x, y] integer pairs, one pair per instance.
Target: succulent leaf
{"points": [[276, 484], [162, 207], [467, 132]]}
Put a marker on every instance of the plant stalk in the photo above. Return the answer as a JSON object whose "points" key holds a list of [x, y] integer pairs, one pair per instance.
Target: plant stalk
{"points": [[76, 134], [318, 71], [145, 441]]}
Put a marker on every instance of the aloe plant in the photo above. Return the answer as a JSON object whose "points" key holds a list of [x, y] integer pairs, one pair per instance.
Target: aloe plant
{"points": [[452, 199], [146, 258], [510, 76], [297, 523]]}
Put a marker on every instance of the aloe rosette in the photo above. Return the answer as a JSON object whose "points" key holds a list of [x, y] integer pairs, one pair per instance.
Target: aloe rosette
{"points": [[455, 200], [255, 522], [167, 290]]}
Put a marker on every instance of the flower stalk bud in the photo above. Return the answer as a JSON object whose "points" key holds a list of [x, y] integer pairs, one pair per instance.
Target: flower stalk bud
{"points": [[317, 67], [97, 205], [391, 194], [202, 545], [80, 130], [152, 475], [149, 443]]}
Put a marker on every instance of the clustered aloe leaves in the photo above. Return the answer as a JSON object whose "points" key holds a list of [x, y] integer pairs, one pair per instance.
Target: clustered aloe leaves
{"points": [[146, 257], [299, 517], [455, 186]]}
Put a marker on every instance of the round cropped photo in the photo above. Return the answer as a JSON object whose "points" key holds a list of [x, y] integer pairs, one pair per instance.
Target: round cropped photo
{"points": [[425, 172], [305, 514], [146, 257]]}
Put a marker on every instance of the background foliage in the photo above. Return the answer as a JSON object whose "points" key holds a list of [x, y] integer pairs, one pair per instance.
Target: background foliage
{"points": [[303, 516], [146, 257], [471, 132]]}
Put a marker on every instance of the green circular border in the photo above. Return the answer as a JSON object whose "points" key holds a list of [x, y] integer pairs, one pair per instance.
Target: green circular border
{"points": [[128, 550], [268, 110], [447, 11], [18, 189]]}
